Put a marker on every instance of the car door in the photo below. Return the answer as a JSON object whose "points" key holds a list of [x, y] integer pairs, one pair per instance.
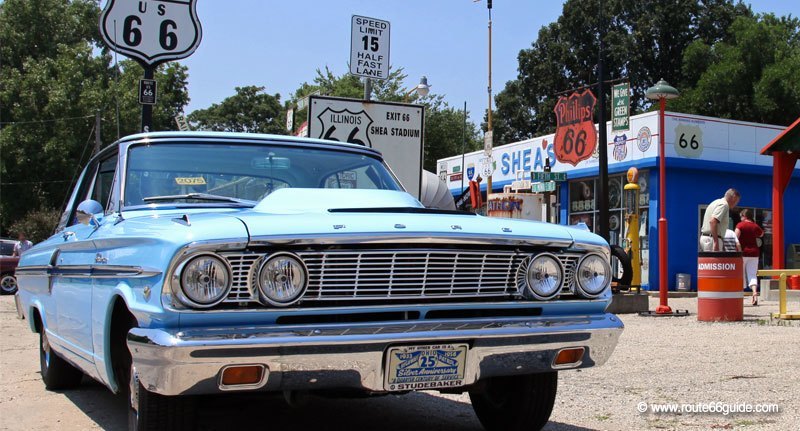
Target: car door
{"points": [[71, 276]]}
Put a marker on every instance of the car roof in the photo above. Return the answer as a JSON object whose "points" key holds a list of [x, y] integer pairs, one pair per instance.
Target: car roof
{"points": [[249, 137]]}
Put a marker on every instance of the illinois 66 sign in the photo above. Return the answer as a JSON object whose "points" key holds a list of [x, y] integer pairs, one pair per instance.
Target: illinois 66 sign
{"points": [[151, 31]]}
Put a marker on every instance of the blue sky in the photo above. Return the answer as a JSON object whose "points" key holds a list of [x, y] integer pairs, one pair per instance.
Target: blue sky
{"points": [[280, 44]]}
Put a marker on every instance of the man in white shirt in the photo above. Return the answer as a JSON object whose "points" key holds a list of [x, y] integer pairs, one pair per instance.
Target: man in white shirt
{"points": [[22, 246], [715, 221]]}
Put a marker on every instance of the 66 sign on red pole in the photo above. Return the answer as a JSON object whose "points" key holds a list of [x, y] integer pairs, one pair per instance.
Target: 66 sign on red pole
{"points": [[576, 137]]}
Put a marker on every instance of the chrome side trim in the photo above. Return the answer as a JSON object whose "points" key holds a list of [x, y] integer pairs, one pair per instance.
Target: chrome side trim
{"points": [[408, 238], [84, 271], [307, 357]]}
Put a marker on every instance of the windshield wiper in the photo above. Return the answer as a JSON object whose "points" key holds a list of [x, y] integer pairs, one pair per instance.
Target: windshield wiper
{"points": [[200, 197]]}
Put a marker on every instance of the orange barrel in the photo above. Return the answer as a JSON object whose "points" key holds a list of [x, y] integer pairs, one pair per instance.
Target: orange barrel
{"points": [[793, 282], [719, 287]]}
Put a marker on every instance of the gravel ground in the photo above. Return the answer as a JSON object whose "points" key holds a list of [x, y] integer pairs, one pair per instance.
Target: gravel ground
{"points": [[658, 360]]}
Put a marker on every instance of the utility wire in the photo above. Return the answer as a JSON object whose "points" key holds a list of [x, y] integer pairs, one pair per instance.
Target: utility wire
{"points": [[79, 167], [53, 120], [33, 182]]}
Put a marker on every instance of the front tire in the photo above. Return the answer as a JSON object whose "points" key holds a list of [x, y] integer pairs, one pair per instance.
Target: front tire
{"points": [[8, 284], [56, 372], [515, 403]]}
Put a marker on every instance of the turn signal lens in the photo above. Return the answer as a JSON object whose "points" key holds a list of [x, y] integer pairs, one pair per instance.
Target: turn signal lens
{"points": [[242, 375], [572, 356]]}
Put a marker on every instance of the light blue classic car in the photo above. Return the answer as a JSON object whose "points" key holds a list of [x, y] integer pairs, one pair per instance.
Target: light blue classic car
{"points": [[199, 262]]}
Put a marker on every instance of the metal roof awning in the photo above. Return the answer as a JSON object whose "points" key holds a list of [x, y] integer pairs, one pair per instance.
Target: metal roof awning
{"points": [[787, 141]]}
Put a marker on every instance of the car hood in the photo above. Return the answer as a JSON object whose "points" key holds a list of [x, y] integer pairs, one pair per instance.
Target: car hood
{"points": [[372, 216]]}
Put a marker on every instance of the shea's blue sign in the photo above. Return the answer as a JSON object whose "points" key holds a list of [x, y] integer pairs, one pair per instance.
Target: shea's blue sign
{"points": [[520, 160]]}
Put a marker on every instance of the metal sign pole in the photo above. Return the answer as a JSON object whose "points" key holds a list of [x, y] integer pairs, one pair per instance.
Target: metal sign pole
{"points": [[489, 112], [147, 109], [602, 181]]}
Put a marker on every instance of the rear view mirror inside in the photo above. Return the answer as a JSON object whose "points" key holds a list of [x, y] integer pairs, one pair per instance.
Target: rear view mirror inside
{"points": [[270, 162]]}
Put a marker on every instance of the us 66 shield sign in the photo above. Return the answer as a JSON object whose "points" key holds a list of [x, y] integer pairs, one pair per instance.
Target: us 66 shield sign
{"points": [[394, 129], [151, 31]]}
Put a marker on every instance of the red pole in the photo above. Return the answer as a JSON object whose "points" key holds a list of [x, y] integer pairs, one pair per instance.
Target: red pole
{"points": [[662, 308]]}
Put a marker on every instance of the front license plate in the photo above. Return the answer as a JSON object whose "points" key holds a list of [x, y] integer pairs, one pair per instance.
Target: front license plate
{"points": [[416, 368]]}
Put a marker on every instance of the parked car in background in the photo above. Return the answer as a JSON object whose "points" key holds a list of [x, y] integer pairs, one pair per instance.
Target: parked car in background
{"points": [[8, 282], [7, 246], [196, 262]]}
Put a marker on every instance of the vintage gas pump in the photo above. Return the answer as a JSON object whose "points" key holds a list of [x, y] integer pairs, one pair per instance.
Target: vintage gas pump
{"points": [[631, 241]]}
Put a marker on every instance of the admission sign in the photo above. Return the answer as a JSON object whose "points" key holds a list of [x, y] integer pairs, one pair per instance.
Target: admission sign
{"points": [[576, 137]]}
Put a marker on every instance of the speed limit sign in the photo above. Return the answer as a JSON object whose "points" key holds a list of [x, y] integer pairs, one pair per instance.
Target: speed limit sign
{"points": [[151, 31]]}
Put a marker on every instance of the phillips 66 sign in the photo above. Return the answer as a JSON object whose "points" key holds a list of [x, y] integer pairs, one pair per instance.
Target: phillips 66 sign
{"points": [[576, 137], [151, 31]]}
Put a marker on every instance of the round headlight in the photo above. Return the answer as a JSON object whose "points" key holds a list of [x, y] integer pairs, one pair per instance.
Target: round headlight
{"points": [[205, 280], [282, 279], [544, 276], [593, 275]]}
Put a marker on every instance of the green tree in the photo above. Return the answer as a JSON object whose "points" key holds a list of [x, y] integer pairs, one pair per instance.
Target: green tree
{"points": [[753, 76], [249, 110], [447, 133], [642, 40], [55, 77], [171, 97], [329, 84]]}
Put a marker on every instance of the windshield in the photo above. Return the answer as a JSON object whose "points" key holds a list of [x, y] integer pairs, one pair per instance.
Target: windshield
{"points": [[242, 174]]}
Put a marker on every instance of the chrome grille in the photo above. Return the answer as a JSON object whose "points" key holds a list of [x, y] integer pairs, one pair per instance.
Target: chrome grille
{"points": [[244, 268], [570, 262], [409, 274], [398, 274]]}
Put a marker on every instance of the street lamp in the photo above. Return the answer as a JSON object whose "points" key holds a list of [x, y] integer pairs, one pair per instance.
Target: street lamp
{"points": [[661, 92], [422, 89]]}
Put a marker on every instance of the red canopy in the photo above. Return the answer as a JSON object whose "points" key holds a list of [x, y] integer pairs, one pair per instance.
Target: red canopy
{"points": [[784, 149]]}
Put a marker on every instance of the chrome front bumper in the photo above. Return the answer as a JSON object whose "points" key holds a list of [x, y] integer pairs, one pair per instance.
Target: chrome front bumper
{"points": [[352, 356]]}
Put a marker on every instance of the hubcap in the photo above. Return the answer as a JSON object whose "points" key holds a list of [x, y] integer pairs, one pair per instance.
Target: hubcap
{"points": [[8, 283]]}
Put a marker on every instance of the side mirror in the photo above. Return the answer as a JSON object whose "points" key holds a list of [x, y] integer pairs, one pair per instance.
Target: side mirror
{"points": [[86, 211]]}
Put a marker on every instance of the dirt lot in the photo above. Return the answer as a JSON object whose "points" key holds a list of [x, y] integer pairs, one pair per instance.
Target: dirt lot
{"points": [[658, 360]]}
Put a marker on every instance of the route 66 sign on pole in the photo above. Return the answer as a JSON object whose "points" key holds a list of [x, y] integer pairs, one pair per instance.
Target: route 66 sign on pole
{"points": [[151, 32]]}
